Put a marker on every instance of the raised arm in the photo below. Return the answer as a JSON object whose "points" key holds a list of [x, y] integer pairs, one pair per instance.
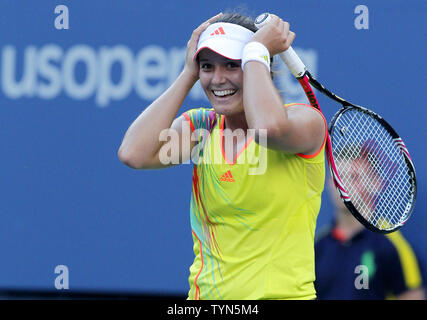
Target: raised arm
{"points": [[297, 129], [141, 144]]}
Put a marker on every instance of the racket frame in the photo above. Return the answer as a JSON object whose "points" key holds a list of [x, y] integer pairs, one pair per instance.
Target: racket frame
{"points": [[305, 80], [399, 143]]}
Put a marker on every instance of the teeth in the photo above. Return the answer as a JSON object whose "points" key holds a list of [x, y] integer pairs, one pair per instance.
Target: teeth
{"points": [[222, 93]]}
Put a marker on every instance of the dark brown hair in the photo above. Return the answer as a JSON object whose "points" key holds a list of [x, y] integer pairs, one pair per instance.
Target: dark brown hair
{"points": [[237, 18]]}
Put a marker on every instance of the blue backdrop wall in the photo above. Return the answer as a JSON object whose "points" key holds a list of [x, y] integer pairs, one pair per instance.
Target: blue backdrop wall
{"points": [[67, 96]]}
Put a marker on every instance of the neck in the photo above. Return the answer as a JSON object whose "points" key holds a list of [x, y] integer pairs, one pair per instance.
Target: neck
{"points": [[237, 121]]}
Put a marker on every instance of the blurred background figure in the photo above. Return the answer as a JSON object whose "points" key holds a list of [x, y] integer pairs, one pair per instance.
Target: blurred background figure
{"points": [[353, 262]]}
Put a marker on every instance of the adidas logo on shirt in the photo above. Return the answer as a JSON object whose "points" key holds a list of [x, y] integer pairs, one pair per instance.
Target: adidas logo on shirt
{"points": [[227, 177]]}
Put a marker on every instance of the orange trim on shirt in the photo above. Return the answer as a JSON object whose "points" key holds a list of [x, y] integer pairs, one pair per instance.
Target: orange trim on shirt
{"points": [[197, 293], [187, 117]]}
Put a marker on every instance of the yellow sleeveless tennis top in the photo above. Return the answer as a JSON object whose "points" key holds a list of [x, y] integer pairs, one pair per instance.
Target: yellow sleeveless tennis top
{"points": [[253, 219]]}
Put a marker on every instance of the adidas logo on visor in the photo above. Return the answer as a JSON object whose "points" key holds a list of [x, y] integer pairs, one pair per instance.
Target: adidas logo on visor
{"points": [[220, 30], [226, 39]]}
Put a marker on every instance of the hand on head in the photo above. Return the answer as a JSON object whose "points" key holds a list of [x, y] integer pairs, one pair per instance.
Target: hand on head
{"points": [[190, 64], [275, 35]]}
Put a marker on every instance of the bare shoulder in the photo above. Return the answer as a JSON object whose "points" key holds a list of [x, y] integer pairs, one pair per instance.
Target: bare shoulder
{"points": [[303, 109], [310, 123], [306, 115]]}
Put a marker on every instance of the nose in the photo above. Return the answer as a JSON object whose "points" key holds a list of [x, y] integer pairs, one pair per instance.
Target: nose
{"points": [[219, 76]]}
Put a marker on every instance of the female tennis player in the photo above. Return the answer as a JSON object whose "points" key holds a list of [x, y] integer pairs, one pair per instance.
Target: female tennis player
{"points": [[253, 231]]}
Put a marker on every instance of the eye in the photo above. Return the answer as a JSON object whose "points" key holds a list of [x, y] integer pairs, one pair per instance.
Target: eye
{"points": [[205, 66], [233, 64]]}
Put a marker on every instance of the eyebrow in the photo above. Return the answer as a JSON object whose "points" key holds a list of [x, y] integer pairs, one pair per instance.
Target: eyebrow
{"points": [[221, 60]]}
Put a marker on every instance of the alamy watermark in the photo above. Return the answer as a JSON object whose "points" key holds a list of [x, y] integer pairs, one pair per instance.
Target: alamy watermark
{"points": [[361, 22], [62, 20], [362, 280], [62, 281]]}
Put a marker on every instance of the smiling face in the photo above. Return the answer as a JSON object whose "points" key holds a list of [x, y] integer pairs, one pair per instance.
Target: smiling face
{"points": [[222, 81]]}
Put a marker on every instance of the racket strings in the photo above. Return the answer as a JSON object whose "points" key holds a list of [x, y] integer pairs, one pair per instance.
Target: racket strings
{"points": [[372, 169]]}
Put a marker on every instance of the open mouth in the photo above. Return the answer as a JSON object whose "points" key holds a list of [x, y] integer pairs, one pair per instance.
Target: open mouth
{"points": [[224, 93]]}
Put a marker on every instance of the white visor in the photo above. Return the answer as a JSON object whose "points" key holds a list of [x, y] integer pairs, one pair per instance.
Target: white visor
{"points": [[226, 39]]}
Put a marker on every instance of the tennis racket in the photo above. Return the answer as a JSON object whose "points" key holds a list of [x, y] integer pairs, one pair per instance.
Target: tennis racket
{"points": [[370, 165]]}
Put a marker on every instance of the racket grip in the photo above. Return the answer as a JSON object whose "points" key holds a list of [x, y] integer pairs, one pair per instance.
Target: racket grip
{"points": [[293, 62], [289, 57]]}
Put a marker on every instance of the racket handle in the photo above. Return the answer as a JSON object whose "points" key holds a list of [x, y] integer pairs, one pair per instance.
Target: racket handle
{"points": [[289, 57], [293, 62]]}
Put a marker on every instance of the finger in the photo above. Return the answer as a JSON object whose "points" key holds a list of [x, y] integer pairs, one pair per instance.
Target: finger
{"points": [[205, 24], [275, 20], [274, 17], [290, 39], [286, 27], [198, 31], [214, 17]]}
